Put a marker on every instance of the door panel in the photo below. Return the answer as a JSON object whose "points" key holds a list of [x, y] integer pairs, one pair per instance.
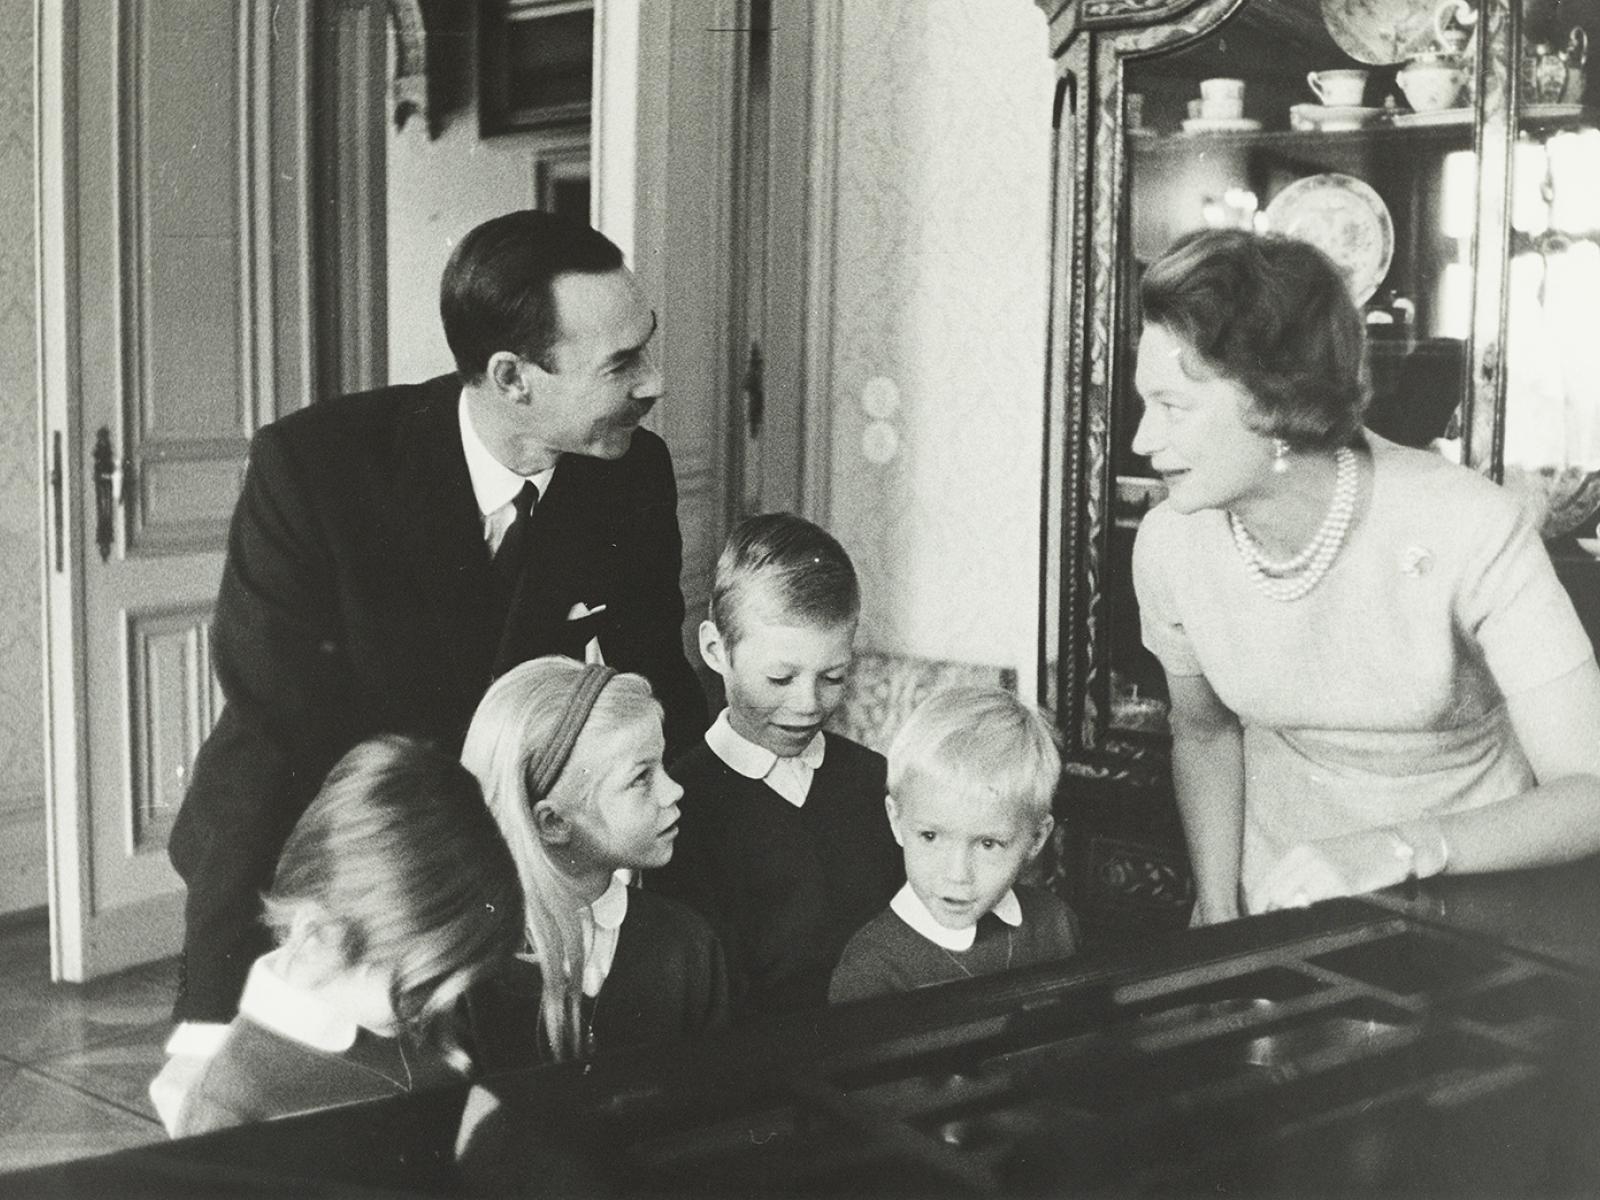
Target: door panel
{"points": [[173, 328]]}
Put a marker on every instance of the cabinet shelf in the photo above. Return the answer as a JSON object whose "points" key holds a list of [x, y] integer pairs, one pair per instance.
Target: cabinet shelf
{"points": [[1543, 118]]}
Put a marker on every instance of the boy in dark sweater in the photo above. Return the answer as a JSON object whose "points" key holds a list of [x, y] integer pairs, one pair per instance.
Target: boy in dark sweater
{"points": [[783, 844], [972, 776]]}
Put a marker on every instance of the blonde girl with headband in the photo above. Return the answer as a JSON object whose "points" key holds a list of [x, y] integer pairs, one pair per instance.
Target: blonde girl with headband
{"points": [[569, 757], [394, 893]]}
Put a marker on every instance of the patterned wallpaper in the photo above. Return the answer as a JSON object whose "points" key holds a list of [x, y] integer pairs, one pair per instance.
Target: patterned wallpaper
{"points": [[941, 273], [21, 622]]}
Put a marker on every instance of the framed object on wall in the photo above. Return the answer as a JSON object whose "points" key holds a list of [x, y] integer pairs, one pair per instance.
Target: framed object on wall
{"points": [[535, 64], [561, 179]]}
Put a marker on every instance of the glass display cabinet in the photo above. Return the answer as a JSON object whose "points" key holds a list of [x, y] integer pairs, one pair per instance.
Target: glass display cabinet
{"points": [[1446, 153]]}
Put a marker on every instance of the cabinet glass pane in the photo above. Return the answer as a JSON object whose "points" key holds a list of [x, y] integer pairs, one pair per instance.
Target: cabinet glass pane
{"points": [[1321, 120], [1552, 423]]}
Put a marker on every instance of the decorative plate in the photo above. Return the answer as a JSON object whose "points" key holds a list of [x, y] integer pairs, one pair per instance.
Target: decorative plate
{"points": [[1345, 219], [1381, 32]]}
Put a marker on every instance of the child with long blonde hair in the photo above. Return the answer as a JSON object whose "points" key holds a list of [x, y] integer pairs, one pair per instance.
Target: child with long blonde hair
{"points": [[569, 758]]}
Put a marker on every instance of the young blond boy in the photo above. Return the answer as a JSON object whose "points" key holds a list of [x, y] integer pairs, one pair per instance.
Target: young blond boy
{"points": [[783, 845], [972, 777]]}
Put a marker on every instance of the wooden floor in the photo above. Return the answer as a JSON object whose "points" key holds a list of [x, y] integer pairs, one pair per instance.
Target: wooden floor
{"points": [[76, 1059]]}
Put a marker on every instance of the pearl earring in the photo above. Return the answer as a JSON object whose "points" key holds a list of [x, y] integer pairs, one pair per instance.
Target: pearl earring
{"points": [[1280, 456]]}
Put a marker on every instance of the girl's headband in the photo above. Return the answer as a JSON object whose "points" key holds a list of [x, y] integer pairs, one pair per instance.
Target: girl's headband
{"points": [[545, 767]]}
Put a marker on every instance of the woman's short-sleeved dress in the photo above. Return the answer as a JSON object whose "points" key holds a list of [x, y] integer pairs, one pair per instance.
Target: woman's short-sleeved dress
{"points": [[1379, 696]]}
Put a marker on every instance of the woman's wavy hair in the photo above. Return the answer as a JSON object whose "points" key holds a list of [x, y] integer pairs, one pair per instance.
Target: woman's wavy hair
{"points": [[398, 852], [1274, 315], [516, 718]]}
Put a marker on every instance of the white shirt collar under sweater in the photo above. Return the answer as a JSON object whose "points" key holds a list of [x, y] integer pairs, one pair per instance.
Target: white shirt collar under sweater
{"points": [[602, 925], [789, 777], [494, 485], [908, 906], [296, 1012]]}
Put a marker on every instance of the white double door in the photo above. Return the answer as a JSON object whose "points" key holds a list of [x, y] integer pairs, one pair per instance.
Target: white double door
{"points": [[175, 305]]}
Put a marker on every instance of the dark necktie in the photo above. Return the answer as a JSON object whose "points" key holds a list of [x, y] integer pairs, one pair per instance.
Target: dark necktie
{"points": [[514, 546]]}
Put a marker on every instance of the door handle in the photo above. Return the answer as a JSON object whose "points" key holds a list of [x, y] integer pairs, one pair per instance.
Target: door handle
{"points": [[107, 492], [755, 390]]}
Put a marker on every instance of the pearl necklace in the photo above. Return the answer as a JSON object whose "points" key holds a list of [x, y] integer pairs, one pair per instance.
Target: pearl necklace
{"points": [[1288, 581]]}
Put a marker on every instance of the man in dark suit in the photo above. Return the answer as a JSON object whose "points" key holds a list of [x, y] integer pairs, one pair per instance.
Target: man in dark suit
{"points": [[388, 559]]}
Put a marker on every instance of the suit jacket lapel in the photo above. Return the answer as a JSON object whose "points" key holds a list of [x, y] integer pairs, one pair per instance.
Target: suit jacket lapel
{"points": [[442, 533]]}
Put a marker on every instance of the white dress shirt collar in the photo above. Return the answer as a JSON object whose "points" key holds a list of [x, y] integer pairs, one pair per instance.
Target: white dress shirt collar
{"points": [[789, 777], [602, 926], [300, 1015], [908, 906], [601, 923], [494, 484]]}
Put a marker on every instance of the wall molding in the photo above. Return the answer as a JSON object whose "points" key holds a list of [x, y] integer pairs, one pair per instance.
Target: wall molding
{"points": [[822, 200]]}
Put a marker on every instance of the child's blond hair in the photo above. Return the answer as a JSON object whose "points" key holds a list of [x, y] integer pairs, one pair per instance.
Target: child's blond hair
{"points": [[982, 743], [514, 724], [798, 566], [398, 850]]}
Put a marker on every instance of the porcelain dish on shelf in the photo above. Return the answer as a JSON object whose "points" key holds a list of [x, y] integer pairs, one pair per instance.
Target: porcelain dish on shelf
{"points": [[1461, 115], [1328, 117], [1550, 112], [1381, 32], [1221, 125], [1345, 219]]}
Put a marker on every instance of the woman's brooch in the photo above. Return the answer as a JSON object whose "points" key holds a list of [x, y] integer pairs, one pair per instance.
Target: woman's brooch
{"points": [[1416, 561]]}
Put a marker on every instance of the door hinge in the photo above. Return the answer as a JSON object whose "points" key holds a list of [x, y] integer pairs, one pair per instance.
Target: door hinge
{"points": [[755, 390]]}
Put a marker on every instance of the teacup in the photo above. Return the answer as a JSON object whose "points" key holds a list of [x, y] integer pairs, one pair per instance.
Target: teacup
{"points": [[1222, 89], [1432, 82], [1221, 99], [1340, 88]]}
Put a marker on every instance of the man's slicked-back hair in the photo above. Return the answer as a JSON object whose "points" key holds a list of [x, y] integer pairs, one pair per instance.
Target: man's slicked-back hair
{"points": [[495, 294], [798, 568], [1275, 315]]}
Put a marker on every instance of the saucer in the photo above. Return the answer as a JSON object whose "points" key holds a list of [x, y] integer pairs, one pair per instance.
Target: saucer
{"points": [[1221, 125], [1331, 116], [1461, 115], [1550, 112], [1591, 546]]}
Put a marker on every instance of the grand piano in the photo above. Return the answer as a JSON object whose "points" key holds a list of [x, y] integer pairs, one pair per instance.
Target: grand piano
{"points": [[1444, 1041]]}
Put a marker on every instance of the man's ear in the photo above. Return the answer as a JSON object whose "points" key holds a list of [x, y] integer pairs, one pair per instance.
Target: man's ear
{"points": [[504, 372], [893, 810], [551, 824], [713, 649]]}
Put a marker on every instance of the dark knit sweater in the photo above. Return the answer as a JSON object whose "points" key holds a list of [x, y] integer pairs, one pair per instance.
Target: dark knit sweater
{"points": [[667, 980], [784, 887], [258, 1074], [887, 955]]}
